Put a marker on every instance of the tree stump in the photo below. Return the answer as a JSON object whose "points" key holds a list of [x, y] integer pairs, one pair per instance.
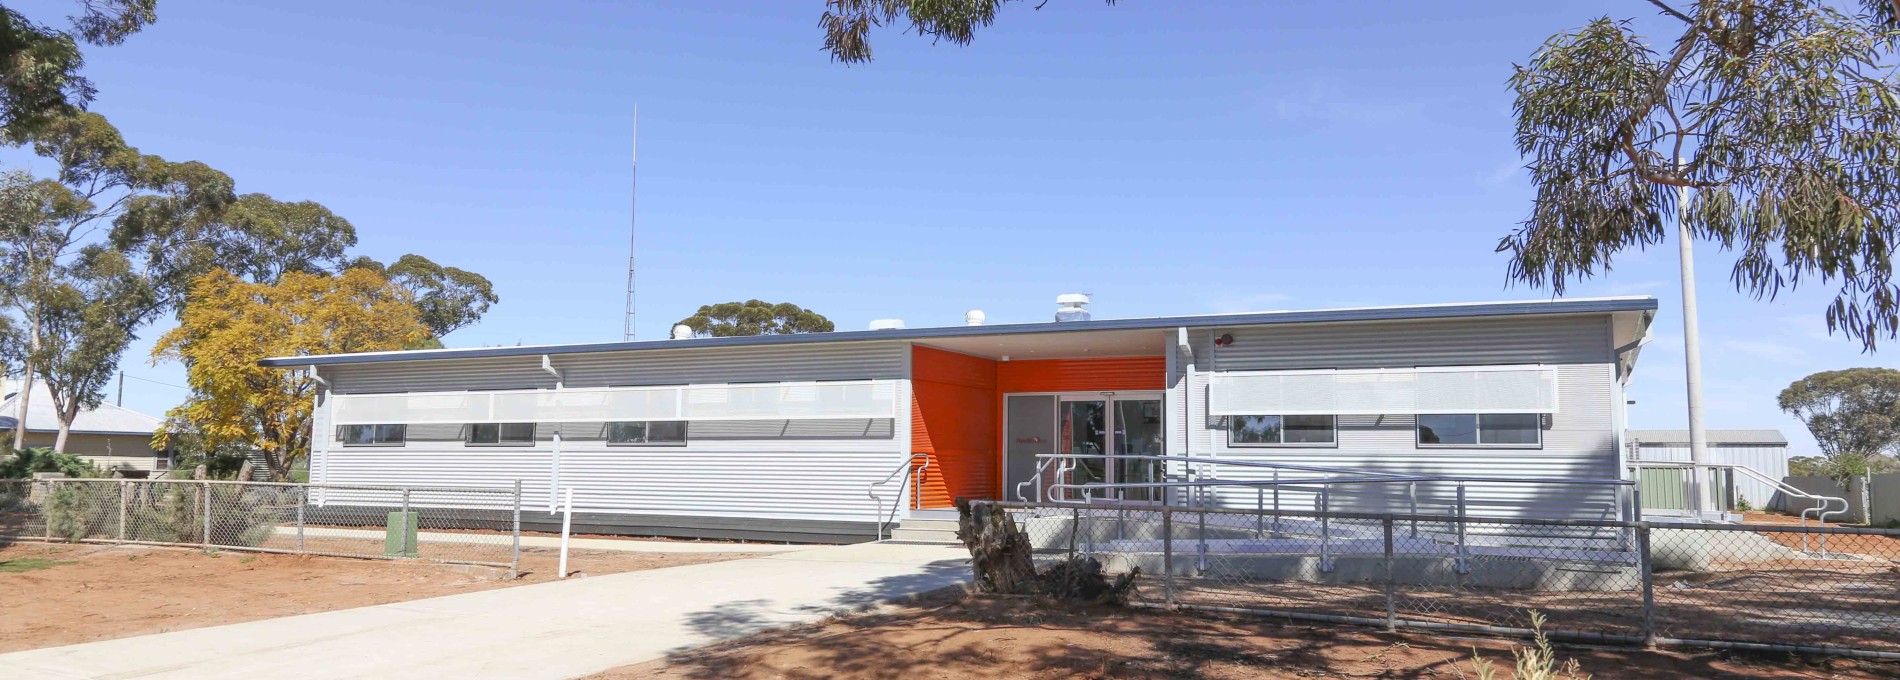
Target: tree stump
{"points": [[1002, 559], [1000, 554]]}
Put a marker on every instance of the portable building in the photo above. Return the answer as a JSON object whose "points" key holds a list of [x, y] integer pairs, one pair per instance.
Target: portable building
{"points": [[789, 437]]}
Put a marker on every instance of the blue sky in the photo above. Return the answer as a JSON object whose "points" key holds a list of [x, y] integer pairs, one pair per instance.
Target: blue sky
{"points": [[1235, 156]]}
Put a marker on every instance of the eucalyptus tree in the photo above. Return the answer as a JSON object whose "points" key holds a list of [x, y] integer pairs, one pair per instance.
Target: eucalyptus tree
{"points": [[847, 23], [755, 317], [449, 298], [101, 187], [87, 317], [40, 64], [1770, 127]]}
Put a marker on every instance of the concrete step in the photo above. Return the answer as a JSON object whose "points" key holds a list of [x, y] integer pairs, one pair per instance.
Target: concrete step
{"points": [[908, 535], [930, 524]]}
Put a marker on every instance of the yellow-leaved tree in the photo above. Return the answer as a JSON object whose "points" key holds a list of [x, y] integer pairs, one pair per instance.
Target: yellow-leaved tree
{"points": [[228, 324]]}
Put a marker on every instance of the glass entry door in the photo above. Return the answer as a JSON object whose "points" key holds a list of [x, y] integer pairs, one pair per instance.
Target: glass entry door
{"points": [[1087, 424]]}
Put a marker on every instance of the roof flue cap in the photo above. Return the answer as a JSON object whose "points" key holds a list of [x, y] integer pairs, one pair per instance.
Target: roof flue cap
{"points": [[887, 325], [974, 317], [1072, 307], [682, 332]]}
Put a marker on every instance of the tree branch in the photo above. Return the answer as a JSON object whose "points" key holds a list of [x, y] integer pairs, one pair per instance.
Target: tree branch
{"points": [[1671, 11]]}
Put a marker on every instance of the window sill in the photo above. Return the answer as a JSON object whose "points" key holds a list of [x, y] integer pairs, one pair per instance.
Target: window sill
{"points": [[1521, 447], [375, 446], [642, 445], [1328, 445]]}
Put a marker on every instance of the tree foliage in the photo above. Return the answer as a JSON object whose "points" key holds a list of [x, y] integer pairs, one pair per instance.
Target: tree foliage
{"points": [[1854, 415], [1782, 117], [86, 322], [228, 324], [77, 299], [22, 463], [847, 23], [755, 317], [39, 64], [449, 298]]}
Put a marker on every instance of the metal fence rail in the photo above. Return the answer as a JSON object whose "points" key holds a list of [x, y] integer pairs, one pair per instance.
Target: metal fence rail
{"points": [[1765, 587], [453, 525]]}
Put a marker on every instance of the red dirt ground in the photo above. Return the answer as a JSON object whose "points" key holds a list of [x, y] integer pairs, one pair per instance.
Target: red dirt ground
{"points": [[100, 592], [956, 636]]}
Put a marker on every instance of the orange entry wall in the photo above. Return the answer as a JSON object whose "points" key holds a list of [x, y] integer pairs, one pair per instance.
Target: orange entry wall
{"points": [[954, 417], [1082, 375], [957, 410]]}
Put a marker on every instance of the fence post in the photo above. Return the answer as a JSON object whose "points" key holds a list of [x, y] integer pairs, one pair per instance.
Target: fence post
{"points": [[1325, 530], [52, 487], [303, 499], [1411, 493], [204, 488], [1463, 567], [1167, 552], [1649, 583], [1260, 506], [124, 485], [1391, 586], [402, 546], [567, 524], [514, 560], [1200, 543], [1075, 526]]}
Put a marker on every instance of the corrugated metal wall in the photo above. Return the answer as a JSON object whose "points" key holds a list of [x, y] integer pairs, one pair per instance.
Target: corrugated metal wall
{"points": [[1768, 460], [813, 470], [1579, 440]]}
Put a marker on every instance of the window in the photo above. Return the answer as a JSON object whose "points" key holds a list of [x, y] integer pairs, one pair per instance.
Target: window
{"points": [[647, 433], [1282, 431], [514, 434], [374, 435], [1484, 429]]}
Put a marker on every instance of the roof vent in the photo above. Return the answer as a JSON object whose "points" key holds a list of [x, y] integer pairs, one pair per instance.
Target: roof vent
{"points": [[887, 325], [974, 317], [682, 332], [1072, 307]]}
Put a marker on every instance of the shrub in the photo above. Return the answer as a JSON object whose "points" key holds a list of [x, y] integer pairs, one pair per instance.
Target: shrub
{"points": [[174, 513], [24, 462], [1537, 663], [73, 514]]}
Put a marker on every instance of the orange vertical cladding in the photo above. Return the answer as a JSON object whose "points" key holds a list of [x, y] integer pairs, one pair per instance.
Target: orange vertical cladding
{"points": [[954, 418], [957, 410]]}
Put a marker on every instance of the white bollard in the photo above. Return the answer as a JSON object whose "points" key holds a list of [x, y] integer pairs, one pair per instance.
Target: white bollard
{"points": [[567, 523]]}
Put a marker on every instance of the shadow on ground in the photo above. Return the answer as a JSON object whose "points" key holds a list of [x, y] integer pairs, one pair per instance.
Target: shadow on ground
{"points": [[953, 635]]}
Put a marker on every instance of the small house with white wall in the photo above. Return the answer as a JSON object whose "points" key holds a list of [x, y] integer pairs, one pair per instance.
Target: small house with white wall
{"points": [[821, 437]]}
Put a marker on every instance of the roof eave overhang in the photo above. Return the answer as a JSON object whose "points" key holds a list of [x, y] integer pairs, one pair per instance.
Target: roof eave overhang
{"points": [[1586, 306]]}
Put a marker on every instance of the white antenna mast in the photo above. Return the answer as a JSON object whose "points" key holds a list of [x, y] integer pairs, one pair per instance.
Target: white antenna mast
{"points": [[633, 187]]}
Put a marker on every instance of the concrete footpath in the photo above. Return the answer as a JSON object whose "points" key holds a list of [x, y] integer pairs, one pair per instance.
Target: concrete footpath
{"points": [[574, 543], [553, 630]]}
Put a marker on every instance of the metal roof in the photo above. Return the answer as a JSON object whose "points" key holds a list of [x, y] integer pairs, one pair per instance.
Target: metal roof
{"points": [[1414, 312], [42, 417], [1716, 437]]}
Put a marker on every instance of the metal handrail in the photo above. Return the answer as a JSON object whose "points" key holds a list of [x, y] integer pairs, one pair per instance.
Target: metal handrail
{"points": [[1820, 509], [908, 471]]}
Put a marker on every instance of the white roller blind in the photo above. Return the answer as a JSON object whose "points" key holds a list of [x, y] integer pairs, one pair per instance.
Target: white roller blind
{"points": [[764, 401], [1485, 389]]}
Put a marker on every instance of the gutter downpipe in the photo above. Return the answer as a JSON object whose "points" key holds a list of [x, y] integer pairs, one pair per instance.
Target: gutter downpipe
{"points": [[554, 472], [1186, 349], [322, 474]]}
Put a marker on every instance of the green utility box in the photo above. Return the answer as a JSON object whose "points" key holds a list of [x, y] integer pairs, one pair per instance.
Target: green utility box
{"points": [[399, 540]]}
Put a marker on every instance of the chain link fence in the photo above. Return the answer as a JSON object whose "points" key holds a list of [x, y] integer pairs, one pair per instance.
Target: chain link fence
{"points": [[1769, 587], [453, 525]]}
